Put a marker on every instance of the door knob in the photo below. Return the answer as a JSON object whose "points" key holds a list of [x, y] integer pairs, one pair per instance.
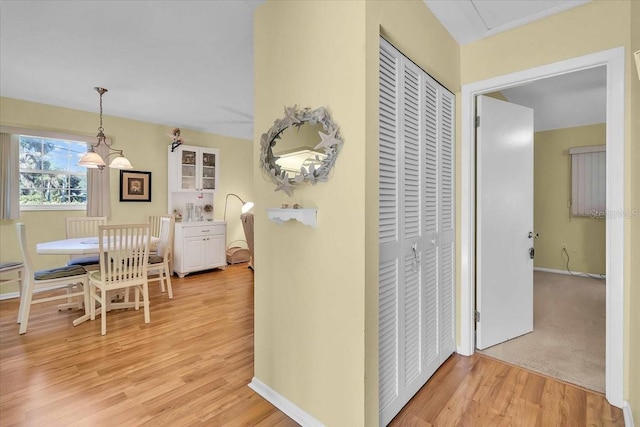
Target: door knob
{"points": [[531, 253], [414, 264]]}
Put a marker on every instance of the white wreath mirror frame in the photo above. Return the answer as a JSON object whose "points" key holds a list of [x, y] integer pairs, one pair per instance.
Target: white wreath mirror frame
{"points": [[319, 169]]}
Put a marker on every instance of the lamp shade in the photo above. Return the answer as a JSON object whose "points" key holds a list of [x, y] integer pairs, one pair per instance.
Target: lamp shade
{"points": [[91, 160], [120, 162], [247, 207]]}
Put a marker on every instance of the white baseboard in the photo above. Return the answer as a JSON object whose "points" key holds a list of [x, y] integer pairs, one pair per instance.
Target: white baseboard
{"points": [[283, 404], [628, 415], [573, 273], [462, 351], [9, 295]]}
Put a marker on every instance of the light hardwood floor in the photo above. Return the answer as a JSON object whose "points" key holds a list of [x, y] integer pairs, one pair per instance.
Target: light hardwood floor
{"points": [[192, 363], [481, 391], [189, 366]]}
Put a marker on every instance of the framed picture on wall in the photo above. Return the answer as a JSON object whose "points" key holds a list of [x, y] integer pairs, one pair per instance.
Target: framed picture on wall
{"points": [[135, 186]]}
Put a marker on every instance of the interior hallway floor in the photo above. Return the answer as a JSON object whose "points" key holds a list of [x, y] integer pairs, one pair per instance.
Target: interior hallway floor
{"points": [[568, 338]]}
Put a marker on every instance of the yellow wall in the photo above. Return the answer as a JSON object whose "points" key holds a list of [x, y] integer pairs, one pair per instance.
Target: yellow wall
{"points": [[593, 27], [145, 145], [309, 283], [316, 324], [633, 295], [584, 237]]}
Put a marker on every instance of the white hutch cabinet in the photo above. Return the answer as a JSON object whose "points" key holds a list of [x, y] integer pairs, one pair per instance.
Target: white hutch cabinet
{"points": [[194, 169], [199, 240]]}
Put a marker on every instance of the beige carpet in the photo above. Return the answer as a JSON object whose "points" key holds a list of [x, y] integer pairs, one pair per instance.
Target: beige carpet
{"points": [[568, 338]]}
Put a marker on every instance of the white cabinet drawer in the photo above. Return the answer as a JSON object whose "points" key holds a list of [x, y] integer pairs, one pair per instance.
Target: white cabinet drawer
{"points": [[203, 230]]}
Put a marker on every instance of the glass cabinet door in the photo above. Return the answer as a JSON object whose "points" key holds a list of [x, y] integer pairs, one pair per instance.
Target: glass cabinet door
{"points": [[188, 170], [208, 171]]}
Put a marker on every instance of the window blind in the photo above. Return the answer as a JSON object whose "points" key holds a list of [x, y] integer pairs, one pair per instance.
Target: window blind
{"points": [[588, 180]]}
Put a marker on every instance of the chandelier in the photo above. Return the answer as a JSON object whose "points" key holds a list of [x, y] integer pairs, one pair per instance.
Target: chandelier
{"points": [[92, 159]]}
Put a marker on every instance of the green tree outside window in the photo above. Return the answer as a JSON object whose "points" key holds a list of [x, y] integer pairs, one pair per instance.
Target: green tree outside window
{"points": [[49, 172]]}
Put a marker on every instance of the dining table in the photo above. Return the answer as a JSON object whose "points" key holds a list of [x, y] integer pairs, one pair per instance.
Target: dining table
{"points": [[77, 246]]}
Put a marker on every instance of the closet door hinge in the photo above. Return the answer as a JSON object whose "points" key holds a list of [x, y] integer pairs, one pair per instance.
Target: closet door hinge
{"points": [[476, 315], [477, 121]]}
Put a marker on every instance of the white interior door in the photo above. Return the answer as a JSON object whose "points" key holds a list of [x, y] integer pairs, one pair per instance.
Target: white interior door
{"points": [[504, 220]]}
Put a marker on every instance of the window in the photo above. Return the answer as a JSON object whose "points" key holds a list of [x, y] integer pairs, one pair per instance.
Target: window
{"points": [[588, 180], [50, 177]]}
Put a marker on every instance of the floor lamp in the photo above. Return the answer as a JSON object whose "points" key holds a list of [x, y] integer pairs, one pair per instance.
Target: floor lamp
{"points": [[238, 254]]}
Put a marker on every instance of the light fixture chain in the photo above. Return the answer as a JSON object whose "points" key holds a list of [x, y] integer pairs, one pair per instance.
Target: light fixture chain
{"points": [[101, 129]]}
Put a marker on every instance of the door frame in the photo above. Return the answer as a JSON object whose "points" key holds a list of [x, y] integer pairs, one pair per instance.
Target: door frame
{"points": [[614, 61]]}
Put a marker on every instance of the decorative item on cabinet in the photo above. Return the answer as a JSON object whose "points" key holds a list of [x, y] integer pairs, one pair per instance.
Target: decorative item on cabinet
{"points": [[177, 139]]}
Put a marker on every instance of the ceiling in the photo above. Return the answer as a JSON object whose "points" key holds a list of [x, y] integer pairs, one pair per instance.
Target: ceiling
{"points": [[189, 64], [471, 20], [179, 63], [574, 99], [568, 100]]}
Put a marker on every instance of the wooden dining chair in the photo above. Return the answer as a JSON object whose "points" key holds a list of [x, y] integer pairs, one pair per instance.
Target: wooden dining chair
{"points": [[124, 257], [81, 226], [155, 222], [72, 278], [13, 273], [159, 267]]}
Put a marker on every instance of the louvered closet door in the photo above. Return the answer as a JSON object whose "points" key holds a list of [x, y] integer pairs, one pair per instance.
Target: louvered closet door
{"points": [[446, 227], [415, 229]]}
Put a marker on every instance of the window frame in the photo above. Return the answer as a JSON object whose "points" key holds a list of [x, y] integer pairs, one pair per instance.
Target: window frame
{"points": [[88, 139]]}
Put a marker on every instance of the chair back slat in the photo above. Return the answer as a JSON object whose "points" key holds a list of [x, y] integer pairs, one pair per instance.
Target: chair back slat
{"points": [[83, 226], [79, 226], [125, 250], [165, 246], [156, 223], [22, 241]]}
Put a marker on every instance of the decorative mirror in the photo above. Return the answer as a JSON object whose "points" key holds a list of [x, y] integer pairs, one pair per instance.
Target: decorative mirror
{"points": [[301, 148]]}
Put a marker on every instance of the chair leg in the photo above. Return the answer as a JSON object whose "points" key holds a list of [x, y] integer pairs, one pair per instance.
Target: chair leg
{"points": [[92, 298], [25, 304], [87, 296], [145, 302], [137, 298], [161, 280], [167, 277], [70, 303], [103, 311], [20, 293]]}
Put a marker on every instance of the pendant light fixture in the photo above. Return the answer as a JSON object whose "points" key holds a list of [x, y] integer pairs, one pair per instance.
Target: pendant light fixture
{"points": [[92, 159]]}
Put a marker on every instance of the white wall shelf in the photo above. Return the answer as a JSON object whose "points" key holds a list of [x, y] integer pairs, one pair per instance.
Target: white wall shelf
{"points": [[306, 216]]}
